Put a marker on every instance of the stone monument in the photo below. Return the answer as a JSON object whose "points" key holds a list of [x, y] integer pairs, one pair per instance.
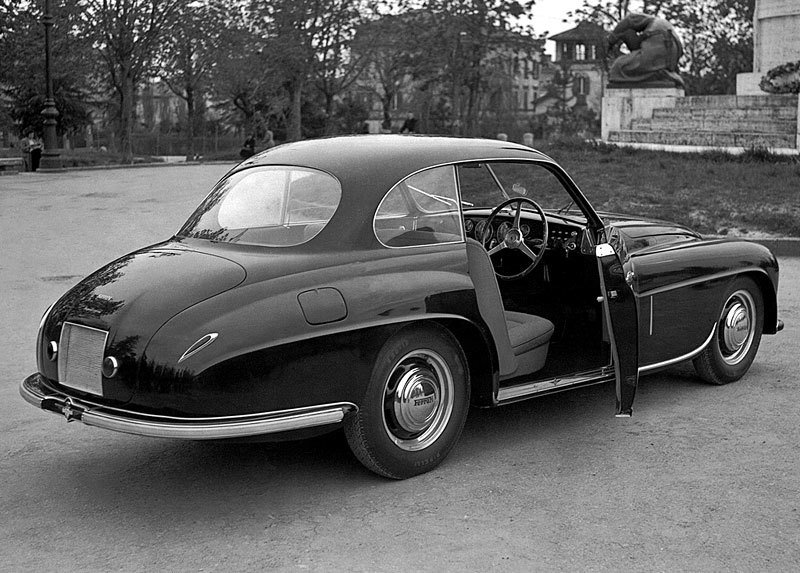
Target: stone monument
{"points": [[663, 118], [776, 41], [644, 79]]}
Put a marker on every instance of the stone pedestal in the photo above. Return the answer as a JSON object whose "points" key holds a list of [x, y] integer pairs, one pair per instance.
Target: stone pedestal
{"points": [[621, 106]]}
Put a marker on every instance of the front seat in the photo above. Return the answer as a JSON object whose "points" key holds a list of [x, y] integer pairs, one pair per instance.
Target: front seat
{"points": [[521, 339]]}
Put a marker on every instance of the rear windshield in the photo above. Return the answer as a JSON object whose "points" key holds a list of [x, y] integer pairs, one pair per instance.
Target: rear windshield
{"points": [[274, 206]]}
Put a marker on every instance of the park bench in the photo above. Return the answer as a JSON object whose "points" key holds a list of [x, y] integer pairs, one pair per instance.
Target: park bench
{"points": [[11, 165]]}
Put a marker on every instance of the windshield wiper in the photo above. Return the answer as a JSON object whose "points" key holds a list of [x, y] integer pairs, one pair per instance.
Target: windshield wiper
{"points": [[567, 207], [445, 200]]}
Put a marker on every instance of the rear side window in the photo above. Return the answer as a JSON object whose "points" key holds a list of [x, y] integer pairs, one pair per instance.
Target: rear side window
{"points": [[420, 210], [273, 206]]}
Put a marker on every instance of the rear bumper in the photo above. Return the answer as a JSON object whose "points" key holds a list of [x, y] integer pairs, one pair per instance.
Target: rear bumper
{"points": [[35, 391]]}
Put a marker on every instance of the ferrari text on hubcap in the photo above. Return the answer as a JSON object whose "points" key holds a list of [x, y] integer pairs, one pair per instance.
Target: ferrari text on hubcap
{"points": [[418, 400]]}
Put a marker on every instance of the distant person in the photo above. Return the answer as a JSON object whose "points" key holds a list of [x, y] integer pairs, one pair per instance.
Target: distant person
{"points": [[32, 151], [248, 147], [410, 124], [270, 139]]}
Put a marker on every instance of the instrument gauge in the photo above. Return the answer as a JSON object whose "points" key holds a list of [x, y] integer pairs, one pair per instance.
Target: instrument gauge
{"points": [[502, 230], [469, 226], [480, 226], [525, 229]]}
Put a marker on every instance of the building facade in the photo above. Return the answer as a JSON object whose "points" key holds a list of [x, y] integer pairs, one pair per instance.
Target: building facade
{"points": [[580, 59]]}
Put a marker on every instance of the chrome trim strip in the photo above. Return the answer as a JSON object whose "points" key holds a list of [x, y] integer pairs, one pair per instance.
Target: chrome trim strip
{"points": [[553, 384], [184, 428], [698, 280], [199, 345], [687, 356], [651, 316]]}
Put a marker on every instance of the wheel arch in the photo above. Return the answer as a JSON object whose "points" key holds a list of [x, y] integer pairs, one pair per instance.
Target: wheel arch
{"points": [[481, 358], [768, 296]]}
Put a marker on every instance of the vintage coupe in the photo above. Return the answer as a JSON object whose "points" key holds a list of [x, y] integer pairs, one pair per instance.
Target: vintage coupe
{"points": [[384, 284]]}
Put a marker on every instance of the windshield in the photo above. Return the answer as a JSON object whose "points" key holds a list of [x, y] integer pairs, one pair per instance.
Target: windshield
{"points": [[489, 184], [273, 206]]}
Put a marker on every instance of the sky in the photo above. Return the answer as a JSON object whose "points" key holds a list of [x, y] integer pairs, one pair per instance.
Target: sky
{"points": [[548, 16]]}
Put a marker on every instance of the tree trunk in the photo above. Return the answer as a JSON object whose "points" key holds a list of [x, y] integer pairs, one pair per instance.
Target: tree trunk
{"points": [[190, 120], [386, 103], [294, 131], [329, 127], [126, 117]]}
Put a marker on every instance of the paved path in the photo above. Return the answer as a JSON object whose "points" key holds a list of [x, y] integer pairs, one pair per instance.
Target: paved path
{"points": [[701, 478]]}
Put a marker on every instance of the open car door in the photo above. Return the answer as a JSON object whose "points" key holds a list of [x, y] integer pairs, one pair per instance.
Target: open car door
{"points": [[620, 307]]}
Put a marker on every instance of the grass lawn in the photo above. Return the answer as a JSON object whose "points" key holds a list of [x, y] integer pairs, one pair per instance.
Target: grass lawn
{"points": [[755, 194], [752, 195]]}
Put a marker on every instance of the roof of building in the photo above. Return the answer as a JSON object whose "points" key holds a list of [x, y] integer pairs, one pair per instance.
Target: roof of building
{"points": [[584, 31]]}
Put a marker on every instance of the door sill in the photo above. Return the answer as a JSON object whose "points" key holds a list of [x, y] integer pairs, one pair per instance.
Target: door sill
{"points": [[516, 392]]}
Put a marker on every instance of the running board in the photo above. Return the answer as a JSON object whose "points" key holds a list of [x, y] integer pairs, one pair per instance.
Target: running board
{"points": [[529, 389]]}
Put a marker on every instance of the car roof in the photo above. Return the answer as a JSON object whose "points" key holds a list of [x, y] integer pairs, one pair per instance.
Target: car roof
{"points": [[372, 164]]}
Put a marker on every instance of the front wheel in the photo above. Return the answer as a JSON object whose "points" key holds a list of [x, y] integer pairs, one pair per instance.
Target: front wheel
{"points": [[415, 404], [732, 350]]}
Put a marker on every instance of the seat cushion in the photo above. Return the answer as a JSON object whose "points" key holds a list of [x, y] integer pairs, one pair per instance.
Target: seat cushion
{"points": [[527, 331]]}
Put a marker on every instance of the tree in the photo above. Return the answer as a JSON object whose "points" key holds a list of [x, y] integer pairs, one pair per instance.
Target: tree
{"points": [[395, 55], [475, 43], [338, 66], [244, 78], [128, 34], [189, 55], [22, 81]]}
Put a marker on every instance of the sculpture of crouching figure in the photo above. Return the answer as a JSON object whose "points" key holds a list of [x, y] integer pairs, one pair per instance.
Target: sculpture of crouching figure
{"points": [[654, 50]]}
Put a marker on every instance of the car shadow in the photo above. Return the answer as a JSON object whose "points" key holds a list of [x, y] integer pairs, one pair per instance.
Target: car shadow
{"points": [[147, 479]]}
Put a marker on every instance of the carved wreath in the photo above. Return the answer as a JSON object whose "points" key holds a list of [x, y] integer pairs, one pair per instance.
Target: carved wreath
{"points": [[783, 79]]}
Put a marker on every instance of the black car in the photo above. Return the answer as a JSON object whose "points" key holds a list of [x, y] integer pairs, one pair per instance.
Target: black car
{"points": [[384, 284]]}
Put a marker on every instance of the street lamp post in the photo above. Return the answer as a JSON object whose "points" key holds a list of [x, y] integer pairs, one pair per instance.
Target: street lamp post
{"points": [[50, 155]]}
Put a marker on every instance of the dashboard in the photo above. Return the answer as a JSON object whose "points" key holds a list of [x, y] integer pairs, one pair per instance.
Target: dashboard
{"points": [[561, 235]]}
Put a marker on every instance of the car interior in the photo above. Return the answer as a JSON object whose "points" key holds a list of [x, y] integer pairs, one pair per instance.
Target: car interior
{"points": [[562, 285], [530, 257]]}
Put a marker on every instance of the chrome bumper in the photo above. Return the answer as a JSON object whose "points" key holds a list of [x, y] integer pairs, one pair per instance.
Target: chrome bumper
{"points": [[36, 392]]}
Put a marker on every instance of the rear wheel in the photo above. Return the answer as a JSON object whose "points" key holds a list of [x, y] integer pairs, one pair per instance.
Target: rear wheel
{"points": [[415, 404], [732, 350]]}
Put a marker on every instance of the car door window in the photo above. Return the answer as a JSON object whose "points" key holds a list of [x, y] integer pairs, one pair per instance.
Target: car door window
{"points": [[420, 210]]}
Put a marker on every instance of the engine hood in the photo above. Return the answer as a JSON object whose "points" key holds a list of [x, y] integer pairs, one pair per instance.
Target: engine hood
{"points": [[132, 297], [629, 221]]}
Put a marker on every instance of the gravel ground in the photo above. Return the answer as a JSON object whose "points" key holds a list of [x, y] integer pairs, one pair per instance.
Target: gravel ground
{"points": [[702, 478]]}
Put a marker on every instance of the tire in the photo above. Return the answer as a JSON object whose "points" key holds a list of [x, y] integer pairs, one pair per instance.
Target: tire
{"points": [[400, 438], [739, 327]]}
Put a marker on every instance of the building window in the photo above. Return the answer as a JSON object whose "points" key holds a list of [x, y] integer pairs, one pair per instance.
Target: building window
{"points": [[525, 98], [593, 52], [580, 51], [580, 85]]}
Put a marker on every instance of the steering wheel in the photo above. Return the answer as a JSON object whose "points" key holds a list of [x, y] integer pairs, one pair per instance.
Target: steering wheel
{"points": [[513, 238]]}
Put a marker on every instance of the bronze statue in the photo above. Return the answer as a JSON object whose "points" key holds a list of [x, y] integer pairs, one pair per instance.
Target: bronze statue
{"points": [[655, 49]]}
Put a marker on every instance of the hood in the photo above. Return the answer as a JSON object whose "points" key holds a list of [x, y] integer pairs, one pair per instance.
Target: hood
{"points": [[622, 221]]}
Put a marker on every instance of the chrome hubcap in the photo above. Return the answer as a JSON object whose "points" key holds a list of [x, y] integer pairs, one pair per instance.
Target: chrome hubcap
{"points": [[418, 400], [737, 322]]}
